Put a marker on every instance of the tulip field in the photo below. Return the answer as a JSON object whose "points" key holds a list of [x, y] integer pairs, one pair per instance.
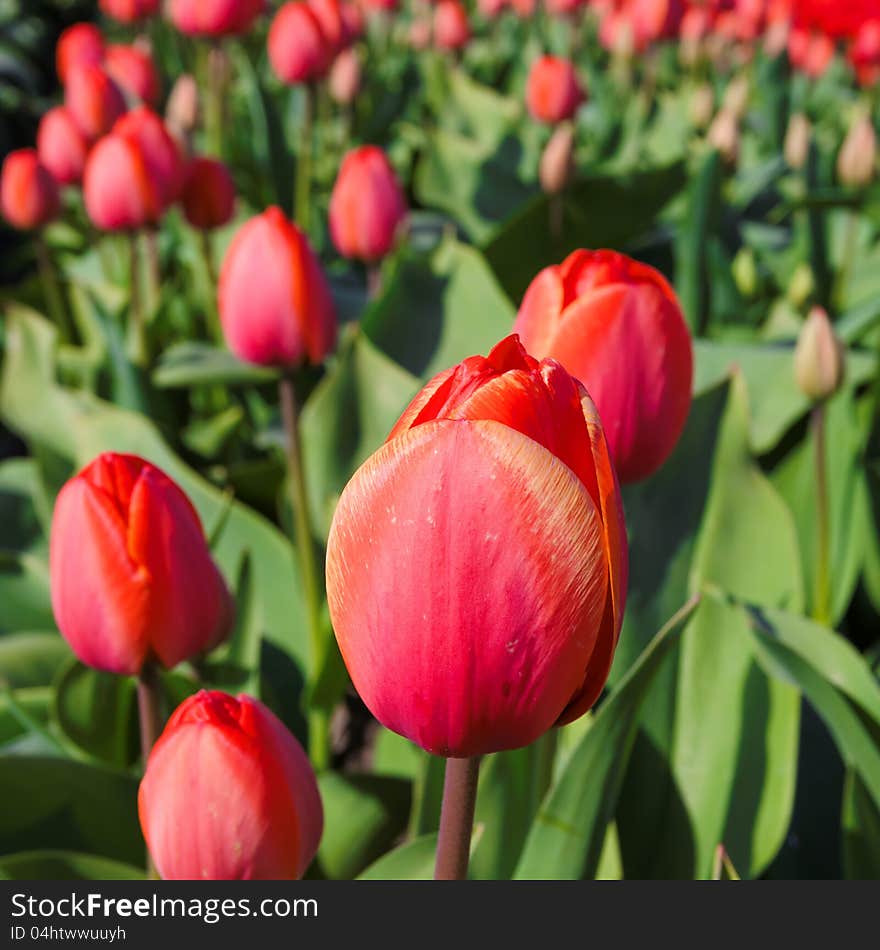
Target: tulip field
{"points": [[439, 439]]}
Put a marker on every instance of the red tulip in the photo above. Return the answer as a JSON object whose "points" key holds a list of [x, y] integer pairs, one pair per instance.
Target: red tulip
{"points": [[130, 11], [810, 52], [617, 326], [135, 73], [214, 17], [864, 54], [298, 50], [476, 564], [79, 45], [451, 28], [164, 163], [28, 193], [229, 794], [119, 192], [353, 20], [367, 206], [331, 20], [834, 18], [275, 304], [553, 92], [208, 194], [61, 146], [93, 100], [131, 575]]}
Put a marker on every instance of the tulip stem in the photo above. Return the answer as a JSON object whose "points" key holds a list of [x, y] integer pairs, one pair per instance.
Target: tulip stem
{"points": [[305, 547], [154, 266], [216, 82], [822, 605], [138, 326], [374, 281], [457, 819], [850, 249], [211, 318], [149, 702], [302, 198], [52, 289]]}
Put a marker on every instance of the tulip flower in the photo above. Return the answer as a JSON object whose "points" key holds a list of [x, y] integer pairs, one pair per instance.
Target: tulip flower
{"points": [[229, 794], [553, 92], [367, 206], [298, 49], [61, 146], [131, 575], [182, 110], [163, 161], [331, 21], [130, 11], [214, 17], [134, 72], [28, 193], [617, 326], [476, 564], [857, 159], [344, 81], [864, 54], [451, 28], [118, 190], [208, 197], [275, 304], [819, 358], [93, 100], [79, 45], [810, 52]]}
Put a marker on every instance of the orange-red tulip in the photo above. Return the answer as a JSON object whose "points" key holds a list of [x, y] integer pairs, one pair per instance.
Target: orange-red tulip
{"points": [[93, 100], [61, 146], [130, 11], [208, 194], [275, 304], [229, 794], [553, 92], [134, 72], [367, 206], [79, 45], [28, 193], [452, 30], [214, 17], [476, 564], [131, 575], [617, 326], [298, 50]]}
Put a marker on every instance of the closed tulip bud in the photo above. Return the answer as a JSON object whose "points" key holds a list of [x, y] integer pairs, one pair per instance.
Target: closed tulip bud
{"points": [[367, 206], [553, 92], [736, 96], [119, 192], [745, 272], [330, 19], [702, 106], [557, 160], [164, 163], [229, 795], [208, 194], [796, 148], [93, 100], [131, 575], [298, 49], [857, 158], [79, 45], [28, 193], [130, 11], [599, 311], [275, 304], [801, 287], [723, 136], [134, 72], [61, 146], [819, 358], [214, 17], [344, 81], [182, 109], [452, 30], [476, 564]]}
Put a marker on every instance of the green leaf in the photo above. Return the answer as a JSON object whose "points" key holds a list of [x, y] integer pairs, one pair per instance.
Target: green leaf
{"points": [[24, 593], [31, 659], [65, 866], [861, 831], [202, 364], [413, 861]]}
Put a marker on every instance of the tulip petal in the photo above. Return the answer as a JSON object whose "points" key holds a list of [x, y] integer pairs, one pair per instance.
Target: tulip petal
{"points": [[539, 314], [466, 579]]}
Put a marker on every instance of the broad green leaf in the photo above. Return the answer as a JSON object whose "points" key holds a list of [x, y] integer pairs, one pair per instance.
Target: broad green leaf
{"points": [[31, 659], [24, 593], [201, 364], [19, 712], [861, 831], [413, 861], [65, 866]]}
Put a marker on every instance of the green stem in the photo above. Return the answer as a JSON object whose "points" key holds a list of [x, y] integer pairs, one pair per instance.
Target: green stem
{"points": [[212, 318], [822, 605], [52, 290], [305, 547], [850, 246], [214, 106], [154, 266], [138, 325], [149, 706], [542, 768], [302, 197], [457, 819]]}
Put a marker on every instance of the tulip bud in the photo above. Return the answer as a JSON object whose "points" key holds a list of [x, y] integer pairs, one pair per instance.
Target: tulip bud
{"points": [[723, 136], [857, 158], [119, 192], [819, 358], [745, 272], [208, 194], [79, 45], [131, 575], [214, 17], [298, 50], [134, 72], [553, 92], [28, 193], [182, 110], [274, 301], [476, 564], [736, 96], [557, 160], [229, 794], [702, 106], [451, 28], [797, 141], [328, 13], [93, 100], [129, 11], [801, 287], [61, 146], [164, 163], [344, 80], [598, 311], [367, 206]]}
